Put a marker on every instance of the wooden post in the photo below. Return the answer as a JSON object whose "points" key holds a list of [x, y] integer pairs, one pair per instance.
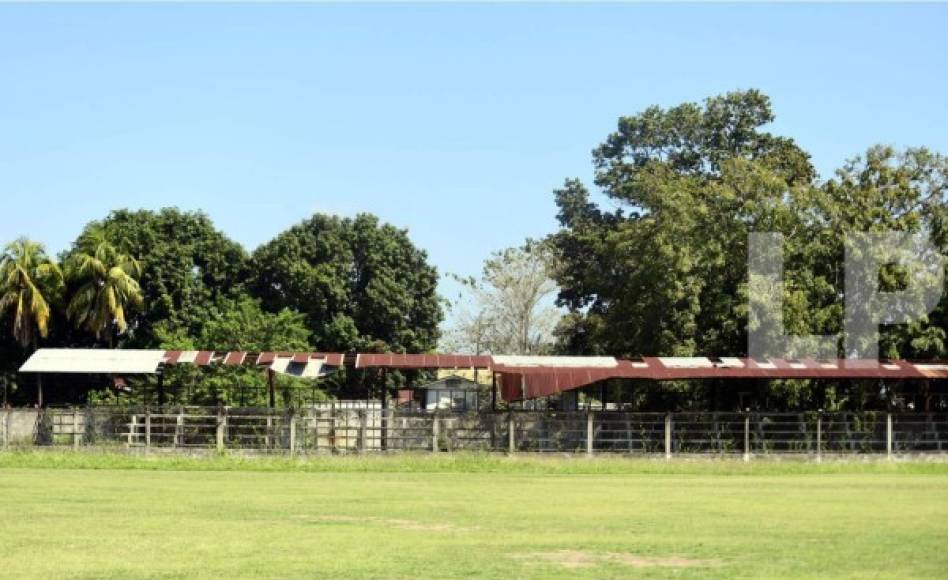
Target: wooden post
{"points": [[132, 428], [161, 387], [75, 428], [493, 391], [511, 433], [747, 437], [383, 419], [435, 446], [589, 432], [668, 436], [271, 388], [819, 437], [332, 428], [148, 428], [221, 422], [39, 390], [888, 436]]}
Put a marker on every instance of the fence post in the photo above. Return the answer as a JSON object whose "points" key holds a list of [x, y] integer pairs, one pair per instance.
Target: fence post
{"points": [[363, 420], [292, 432], [747, 437], [888, 436], [333, 448], [511, 433], [179, 428], [221, 421], [384, 418], [75, 428], [5, 428], [668, 435], [268, 438], [589, 432], [148, 428], [819, 437], [132, 427], [435, 427]]}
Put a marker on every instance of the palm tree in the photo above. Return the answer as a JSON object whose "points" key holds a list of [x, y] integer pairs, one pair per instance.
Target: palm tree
{"points": [[29, 282], [106, 285]]}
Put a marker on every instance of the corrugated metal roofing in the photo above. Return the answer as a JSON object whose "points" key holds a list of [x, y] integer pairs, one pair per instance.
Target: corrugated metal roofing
{"points": [[82, 360], [521, 377], [422, 361]]}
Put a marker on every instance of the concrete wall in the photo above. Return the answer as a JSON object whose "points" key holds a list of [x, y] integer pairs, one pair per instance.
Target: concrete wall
{"points": [[17, 426]]}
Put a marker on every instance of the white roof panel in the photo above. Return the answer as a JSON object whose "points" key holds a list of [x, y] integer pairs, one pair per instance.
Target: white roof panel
{"points": [[686, 362], [555, 361], [83, 360]]}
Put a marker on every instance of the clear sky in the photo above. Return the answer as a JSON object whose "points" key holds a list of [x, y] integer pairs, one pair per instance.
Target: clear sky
{"points": [[454, 121]]}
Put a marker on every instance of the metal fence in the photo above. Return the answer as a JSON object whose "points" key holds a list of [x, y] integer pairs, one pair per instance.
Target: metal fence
{"points": [[360, 429]]}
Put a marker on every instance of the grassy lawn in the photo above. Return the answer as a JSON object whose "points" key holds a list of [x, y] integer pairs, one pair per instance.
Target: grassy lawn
{"points": [[94, 516]]}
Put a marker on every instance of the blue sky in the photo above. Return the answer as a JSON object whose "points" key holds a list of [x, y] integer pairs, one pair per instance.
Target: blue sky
{"points": [[454, 121]]}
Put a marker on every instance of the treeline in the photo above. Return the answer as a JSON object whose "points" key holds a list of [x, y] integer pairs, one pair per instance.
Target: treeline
{"points": [[659, 267], [170, 279]]}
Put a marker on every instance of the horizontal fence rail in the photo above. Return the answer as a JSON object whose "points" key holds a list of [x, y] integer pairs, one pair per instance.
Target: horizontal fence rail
{"points": [[328, 428]]}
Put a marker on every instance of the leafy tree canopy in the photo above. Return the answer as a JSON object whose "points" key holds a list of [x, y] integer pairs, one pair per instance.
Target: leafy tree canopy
{"points": [[188, 268], [361, 284], [664, 270]]}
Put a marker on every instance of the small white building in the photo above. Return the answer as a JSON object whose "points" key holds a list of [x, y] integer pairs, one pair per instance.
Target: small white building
{"points": [[451, 393]]}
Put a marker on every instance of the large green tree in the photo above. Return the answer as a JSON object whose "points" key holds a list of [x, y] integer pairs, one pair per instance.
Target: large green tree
{"points": [[30, 281], [662, 268], [103, 285], [360, 283], [188, 268], [661, 273]]}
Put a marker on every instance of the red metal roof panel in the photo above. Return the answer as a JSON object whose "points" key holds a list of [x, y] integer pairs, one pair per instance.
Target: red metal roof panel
{"points": [[234, 358]]}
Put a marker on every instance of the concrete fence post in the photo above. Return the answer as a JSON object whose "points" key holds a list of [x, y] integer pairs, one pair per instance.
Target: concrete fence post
{"points": [[363, 431], [292, 417], [132, 428], [888, 436], [668, 436], [179, 429], [75, 428], [747, 445], [819, 437], [268, 438], [435, 433], [589, 432], [148, 428], [511, 433], [221, 423], [5, 428]]}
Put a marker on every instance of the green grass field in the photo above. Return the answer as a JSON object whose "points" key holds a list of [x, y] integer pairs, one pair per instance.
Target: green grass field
{"points": [[95, 516]]}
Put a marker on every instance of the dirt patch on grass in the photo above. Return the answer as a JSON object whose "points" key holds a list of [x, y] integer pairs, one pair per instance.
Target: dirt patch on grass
{"points": [[578, 559], [401, 524]]}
